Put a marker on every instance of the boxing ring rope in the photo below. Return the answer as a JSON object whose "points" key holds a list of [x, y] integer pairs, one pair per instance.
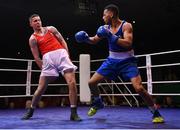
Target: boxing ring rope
{"points": [[149, 66], [149, 82], [28, 83]]}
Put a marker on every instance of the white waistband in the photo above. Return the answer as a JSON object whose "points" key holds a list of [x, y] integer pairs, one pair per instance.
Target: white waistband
{"points": [[121, 55], [54, 51]]}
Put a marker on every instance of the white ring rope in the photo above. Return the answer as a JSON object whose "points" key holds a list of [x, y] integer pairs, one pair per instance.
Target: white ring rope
{"points": [[12, 59], [155, 82], [93, 61], [159, 53], [34, 85]]}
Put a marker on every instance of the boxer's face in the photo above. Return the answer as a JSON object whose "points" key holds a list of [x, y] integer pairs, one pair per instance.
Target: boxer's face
{"points": [[35, 22], [107, 16]]}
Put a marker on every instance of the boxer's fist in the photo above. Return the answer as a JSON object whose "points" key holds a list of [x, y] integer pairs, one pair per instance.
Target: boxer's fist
{"points": [[104, 32], [81, 36]]}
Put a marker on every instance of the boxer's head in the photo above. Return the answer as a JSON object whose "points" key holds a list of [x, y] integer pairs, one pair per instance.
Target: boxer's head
{"points": [[110, 12], [35, 21]]}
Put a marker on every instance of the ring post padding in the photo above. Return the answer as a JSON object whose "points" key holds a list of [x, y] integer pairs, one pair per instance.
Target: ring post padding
{"points": [[149, 74], [85, 95], [28, 78]]}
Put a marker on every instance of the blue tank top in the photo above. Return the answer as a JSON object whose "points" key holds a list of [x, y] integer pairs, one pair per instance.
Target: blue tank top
{"points": [[115, 47]]}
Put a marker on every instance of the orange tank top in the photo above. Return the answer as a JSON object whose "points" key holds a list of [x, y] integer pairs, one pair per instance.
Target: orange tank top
{"points": [[47, 43]]}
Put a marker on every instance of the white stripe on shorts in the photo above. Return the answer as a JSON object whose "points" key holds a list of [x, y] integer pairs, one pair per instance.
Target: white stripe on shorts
{"points": [[121, 55]]}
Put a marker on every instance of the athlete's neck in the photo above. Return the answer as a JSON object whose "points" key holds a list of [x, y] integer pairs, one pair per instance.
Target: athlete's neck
{"points": [[116, 23], [40, 31]]}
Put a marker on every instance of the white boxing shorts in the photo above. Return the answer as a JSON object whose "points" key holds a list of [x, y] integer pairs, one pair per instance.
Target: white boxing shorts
{"points": [[56, 62]]}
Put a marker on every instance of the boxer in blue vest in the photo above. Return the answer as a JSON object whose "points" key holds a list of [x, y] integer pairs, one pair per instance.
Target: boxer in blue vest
{"points": [[120, 62]]}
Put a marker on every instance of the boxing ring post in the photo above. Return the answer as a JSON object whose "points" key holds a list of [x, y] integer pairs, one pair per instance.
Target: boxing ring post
{"points": [[28, 79], [85, 95], [149, 74]]}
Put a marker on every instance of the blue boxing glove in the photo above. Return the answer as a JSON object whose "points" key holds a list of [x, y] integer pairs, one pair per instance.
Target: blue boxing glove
{"points": [[103, 32], [82, 36]]}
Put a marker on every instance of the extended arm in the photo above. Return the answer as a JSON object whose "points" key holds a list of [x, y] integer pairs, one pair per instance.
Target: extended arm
{"points": [[82, 36]]}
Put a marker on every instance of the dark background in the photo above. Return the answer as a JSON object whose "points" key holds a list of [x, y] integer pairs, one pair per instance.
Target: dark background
{"points": [[156, 26], [156, 29]]}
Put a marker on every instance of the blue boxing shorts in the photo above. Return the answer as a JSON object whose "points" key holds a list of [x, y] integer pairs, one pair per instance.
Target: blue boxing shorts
{"points": [[125, 68]]}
